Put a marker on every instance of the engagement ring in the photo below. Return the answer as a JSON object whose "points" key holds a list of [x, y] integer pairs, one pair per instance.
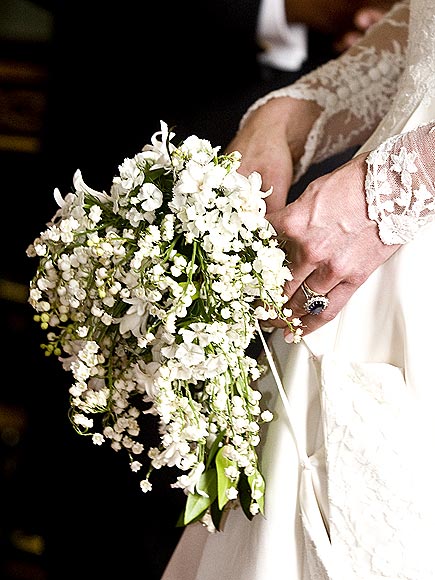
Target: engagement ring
{"points": [[316, 303]]}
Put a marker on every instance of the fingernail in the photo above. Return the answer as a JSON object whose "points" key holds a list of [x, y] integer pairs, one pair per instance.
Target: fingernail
{"points": [[267, 329], [289, 338]]}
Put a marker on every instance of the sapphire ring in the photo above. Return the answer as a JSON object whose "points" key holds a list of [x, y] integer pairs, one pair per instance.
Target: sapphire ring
{"points": [[316, 303]]}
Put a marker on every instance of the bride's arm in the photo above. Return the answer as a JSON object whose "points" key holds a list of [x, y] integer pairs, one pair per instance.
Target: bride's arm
{"points": [[400, 184], [354, 91], [332, 108]]}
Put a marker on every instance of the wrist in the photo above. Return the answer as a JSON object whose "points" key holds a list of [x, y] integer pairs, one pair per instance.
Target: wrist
{"points": [[294, 118]]}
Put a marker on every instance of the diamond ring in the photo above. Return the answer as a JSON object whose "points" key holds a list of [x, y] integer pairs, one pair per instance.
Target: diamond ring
{"points": [[316, 303]]}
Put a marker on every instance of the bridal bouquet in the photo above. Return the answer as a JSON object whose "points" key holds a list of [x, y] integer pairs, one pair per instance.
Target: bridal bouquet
{"points": [[150, 296]]}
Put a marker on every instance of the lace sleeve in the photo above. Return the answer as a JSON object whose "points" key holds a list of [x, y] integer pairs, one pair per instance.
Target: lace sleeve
{"points": [[354, 90], [400, 184]]}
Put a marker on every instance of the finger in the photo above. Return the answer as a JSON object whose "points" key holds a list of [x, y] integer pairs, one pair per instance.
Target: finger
{"points": [[338, 297], [366, 17], [299, 266], [347, 40], [319, 277], [305, 297], [267, 328]]}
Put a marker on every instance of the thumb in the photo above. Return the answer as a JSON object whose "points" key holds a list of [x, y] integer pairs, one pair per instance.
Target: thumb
{"points": [[277, 218]]}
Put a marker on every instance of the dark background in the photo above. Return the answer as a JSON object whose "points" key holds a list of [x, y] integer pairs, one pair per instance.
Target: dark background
{"points": [[84, 85]]}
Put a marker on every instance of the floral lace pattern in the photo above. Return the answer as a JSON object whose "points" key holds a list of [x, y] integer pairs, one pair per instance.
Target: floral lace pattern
{"points": [[354, 91], [417, 84], [399, 185], [313, 566], [381, 521]]}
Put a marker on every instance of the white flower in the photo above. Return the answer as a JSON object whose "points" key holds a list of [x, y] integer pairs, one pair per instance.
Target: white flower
{"points": [[145, 485], [95, 213], [82, 420], [232, 493], [190, 482], [149, 297], [254, 509], [266, 416], [97, 439], [150, 197], [189, 354], [135, 466], [232, 472], [135, 318]]}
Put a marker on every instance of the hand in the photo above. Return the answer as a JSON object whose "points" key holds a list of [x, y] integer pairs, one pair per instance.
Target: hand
{"points": [[340, 19], [332, 244], [270, 140], [363, 19]]}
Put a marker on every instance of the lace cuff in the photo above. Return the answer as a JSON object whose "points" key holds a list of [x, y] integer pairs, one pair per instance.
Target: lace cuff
{"points": [[399, 185]]}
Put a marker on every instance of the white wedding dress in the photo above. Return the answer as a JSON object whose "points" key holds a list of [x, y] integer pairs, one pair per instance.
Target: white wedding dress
{"points": [[352, 495]]}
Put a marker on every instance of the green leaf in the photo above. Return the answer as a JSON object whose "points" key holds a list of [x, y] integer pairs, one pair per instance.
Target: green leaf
{"points": [[216, 515], [213, 449], [197, 286], [247, 485], [223, 482], [245, 495], [196, 503], [180, 521]]}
